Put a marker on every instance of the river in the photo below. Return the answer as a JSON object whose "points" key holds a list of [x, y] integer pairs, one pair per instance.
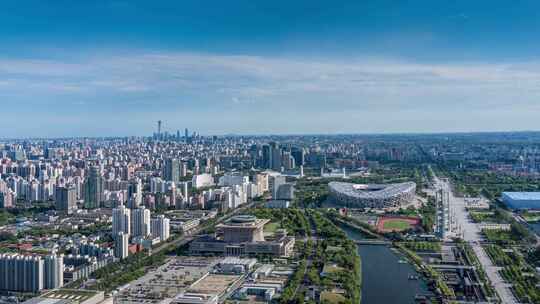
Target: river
{"points": [[384, 279]]}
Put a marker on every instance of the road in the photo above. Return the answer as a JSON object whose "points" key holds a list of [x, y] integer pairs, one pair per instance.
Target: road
{"points": [[471, 233]]}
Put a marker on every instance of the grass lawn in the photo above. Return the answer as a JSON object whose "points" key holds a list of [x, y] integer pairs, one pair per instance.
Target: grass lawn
{"points": [[330, 268], [271, 227], [396, 224], [332, 297]]}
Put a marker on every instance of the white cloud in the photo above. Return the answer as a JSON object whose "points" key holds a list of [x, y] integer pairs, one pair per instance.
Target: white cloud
{"points": [[205, 82]]}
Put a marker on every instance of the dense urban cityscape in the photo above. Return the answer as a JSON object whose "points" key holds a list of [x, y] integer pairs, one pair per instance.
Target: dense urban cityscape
{"points": [[186, 218]]}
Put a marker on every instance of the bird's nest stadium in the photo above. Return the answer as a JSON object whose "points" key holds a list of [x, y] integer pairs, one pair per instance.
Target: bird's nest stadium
{"points": [[379, 196]]}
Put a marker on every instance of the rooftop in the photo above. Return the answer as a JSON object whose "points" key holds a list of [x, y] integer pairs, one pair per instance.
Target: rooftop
{"points": [[371, 191], [522, 195]]}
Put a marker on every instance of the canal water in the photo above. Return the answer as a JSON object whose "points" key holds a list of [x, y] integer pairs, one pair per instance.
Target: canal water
{"points": [[384, 278], [535, 227]]}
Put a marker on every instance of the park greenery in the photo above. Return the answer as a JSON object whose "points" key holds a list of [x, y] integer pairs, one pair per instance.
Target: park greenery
{"points": [[330, 247], [335, 249], [516, 272], [524, 282], [291, 219], [289, 294], [420, 246]]}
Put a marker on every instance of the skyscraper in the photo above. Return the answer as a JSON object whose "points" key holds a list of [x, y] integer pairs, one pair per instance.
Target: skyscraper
{"points": [[121, 221], [171, 170], [121, 243], [93, 188], [299, 155], [161, 228], [267, 157], [140, 220], [276, 156], [66, 199], [134, 193]]}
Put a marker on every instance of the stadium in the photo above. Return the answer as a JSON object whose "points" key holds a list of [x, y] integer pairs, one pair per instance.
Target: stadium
{"points": [[372, 195]]}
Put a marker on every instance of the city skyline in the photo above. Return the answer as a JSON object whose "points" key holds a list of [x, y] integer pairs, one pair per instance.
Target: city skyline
{"points": [[113, 68]]}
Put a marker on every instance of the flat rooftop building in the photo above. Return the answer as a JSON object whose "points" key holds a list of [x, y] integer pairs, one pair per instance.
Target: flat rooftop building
{"points": [[244, 235], [522, 200], [243, 228]]}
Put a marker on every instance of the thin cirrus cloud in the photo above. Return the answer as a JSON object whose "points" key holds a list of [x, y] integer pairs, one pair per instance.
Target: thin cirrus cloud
{"points": [[256, 85]]}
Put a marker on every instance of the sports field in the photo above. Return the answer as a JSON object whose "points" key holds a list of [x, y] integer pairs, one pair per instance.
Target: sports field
{"points": [[330, 297], [389, 224]]}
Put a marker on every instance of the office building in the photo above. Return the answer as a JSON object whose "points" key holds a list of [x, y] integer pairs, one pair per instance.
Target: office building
{"points": [[276, 156], [93, 188], [171, 170], [66, 199], [275, 181]]}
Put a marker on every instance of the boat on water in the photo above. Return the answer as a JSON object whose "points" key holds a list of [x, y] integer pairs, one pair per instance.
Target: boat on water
{"points": [[413, 277], [402, 262]]}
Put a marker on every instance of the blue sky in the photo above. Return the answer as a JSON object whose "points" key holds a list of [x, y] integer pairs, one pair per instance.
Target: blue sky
{"points": [[101, 68]]}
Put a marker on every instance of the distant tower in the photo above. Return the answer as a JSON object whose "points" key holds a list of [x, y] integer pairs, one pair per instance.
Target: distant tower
{"points": [[159, 128]]}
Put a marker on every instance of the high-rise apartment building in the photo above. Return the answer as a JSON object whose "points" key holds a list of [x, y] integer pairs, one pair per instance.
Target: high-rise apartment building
{"points": [[21, 273], [53, 271], [121, 243], [140, 220], [161, 227], [121, 221]]}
